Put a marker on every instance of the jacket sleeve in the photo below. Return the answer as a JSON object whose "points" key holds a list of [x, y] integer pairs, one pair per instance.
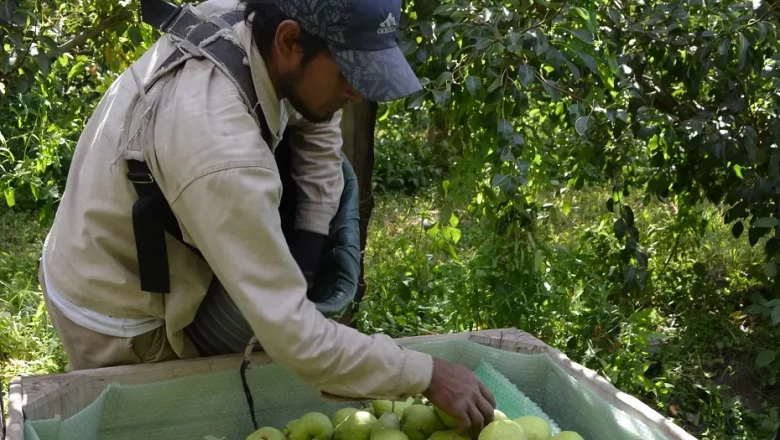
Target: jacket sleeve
{"points": [[223, 186], [316, 169], [251, 259]]}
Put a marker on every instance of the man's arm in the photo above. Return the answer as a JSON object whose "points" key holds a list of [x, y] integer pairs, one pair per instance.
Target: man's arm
{"points": [[316, 168], [232, 216]]}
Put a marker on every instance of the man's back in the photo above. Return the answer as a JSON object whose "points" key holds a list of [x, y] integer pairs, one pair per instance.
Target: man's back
{"points": [[90, 256]]}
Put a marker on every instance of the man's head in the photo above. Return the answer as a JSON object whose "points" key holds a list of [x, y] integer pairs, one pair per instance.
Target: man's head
{"points": [[323, 53]]}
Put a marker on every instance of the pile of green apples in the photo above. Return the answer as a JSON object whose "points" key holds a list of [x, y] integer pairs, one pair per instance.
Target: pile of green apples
{"points": [[413, 419]]}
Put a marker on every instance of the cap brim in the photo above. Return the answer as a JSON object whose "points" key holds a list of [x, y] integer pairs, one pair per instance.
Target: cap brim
{"points": [[380, 75]]}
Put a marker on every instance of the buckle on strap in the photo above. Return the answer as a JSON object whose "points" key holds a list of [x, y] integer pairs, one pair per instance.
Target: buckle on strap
{"points": [[140, 177]]}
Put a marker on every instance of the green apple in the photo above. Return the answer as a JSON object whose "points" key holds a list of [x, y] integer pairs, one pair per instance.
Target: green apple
{"points": [[389, 434], [503, 430], [341, 415], [267, 433], [356, 427], [388, 421], [446, 419], [289, 426], [448, 435], [383, 406], [369, 408], [420, 421], [536, 428], [312, 426], [567, 435], [451, 423]]}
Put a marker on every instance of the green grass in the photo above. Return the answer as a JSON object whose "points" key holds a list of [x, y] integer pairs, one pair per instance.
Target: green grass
{"points": [[684, 345], [28, 342]]}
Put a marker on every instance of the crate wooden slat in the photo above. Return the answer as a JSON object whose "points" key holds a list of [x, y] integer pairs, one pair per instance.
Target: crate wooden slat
{"points": [[44, 397]]}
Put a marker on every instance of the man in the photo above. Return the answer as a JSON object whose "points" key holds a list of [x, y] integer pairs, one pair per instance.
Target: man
{"points": [[210, 153]]}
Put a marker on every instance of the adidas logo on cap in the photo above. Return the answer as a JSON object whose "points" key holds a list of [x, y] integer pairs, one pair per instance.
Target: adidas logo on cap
{"points": [[387, 26]]}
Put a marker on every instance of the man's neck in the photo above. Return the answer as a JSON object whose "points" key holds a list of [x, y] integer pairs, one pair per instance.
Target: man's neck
{"points": [[271, 68]]}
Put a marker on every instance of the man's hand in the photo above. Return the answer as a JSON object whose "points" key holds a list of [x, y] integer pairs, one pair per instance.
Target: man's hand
{"points": [[457, 391]]}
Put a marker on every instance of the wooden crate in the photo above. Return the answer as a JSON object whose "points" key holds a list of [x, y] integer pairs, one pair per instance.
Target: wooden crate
{"points": [[44, 397]]}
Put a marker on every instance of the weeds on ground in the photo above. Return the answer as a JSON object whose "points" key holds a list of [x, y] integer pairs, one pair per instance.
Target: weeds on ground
{"points": [[684, 344], [28, 343]]}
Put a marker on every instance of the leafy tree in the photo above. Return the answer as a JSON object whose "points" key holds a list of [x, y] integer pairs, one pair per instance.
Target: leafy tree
{"points": [[57, 60], [674, 100]]}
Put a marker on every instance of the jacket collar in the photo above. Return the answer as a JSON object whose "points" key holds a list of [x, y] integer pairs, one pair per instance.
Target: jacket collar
{"points": [[274, 112]]}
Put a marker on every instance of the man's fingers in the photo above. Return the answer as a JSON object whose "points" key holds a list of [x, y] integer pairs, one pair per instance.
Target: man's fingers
{"points": [[477, 420], [487, 394], [486, 409], [464, 423]]}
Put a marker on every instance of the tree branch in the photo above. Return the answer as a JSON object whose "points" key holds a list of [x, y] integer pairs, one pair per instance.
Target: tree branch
{"points": [[75, 42], [546, 20], [663, 100]]}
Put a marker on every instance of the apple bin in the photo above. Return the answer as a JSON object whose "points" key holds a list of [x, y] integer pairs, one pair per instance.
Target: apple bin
{"points": [[193, 399]]}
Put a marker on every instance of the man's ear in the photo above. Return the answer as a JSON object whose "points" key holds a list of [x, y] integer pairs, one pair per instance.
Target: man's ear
{"points": [[286, 42]]}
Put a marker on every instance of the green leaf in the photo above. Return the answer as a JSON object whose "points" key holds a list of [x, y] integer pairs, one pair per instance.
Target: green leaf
{"points": [[385, 114], [582, 125], [620, 228], [776, 315], [611, 205], [456, 234], [614, 15], [505, 128], [700, 269], [737, 229], [765, 358], [751, 143], [628, 214], [583, 13], [766, 222], [541, 42], [10, 198], [744, 50], [440, 96], [445, 9], [443, 78], [550, 86], [77, 66], [7, 11], [417, 102], [483, 43], [723, 52], [473, 84], [527, 74], [589, 61], [499, 179], [582, 34], [496, 83], [770, 269], [43, 63]]}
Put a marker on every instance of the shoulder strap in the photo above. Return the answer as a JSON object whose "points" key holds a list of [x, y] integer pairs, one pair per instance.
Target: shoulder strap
{"points": [[198, 37]]}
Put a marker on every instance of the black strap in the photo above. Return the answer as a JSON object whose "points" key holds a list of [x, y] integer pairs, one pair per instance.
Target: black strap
{"points": [[152, 215], [158, 13]]}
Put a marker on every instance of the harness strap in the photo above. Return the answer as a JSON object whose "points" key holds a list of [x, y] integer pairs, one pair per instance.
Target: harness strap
{"points": [[200, 37]]}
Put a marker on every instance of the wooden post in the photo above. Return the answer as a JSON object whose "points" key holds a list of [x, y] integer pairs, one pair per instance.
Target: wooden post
{"points": [[357, 124]]}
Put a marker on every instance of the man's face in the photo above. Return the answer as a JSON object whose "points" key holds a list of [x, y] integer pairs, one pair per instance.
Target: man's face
{"points": [[316, 90]]}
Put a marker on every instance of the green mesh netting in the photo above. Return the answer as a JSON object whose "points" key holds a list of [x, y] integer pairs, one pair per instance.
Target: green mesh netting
{"points": [[214, 404]]}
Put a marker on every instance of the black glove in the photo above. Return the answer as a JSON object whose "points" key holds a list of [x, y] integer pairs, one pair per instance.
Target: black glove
{"points": [[337, 280], [306, 248]]}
